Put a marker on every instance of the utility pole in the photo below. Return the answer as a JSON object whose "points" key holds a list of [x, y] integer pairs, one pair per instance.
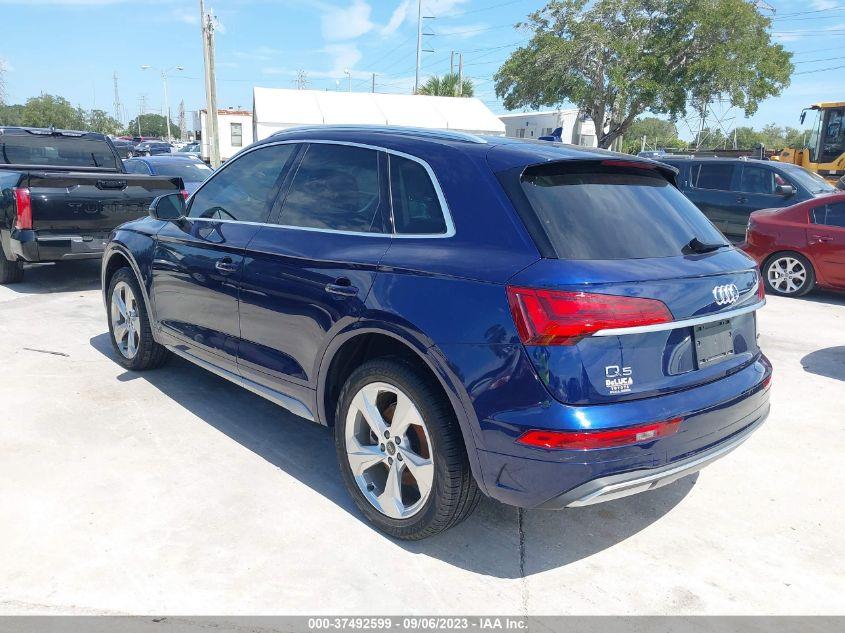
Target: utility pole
{"points": [[452, 63], [207, 22], [374, 82], [301, 80], [642, 147], [420, 49], [460, 74], [182, 126], [348, 74], [117, 106], [142, 106]]}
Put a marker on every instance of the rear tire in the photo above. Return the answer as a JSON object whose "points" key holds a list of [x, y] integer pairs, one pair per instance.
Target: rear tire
{"points": [[788, 274], [11, 272], [415, 487], [129, 324]]}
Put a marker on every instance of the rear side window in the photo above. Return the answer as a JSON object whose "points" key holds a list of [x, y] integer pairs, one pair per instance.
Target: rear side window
{"points": [[336, 187], [62, 151], [596, 212], [830, 214], [136, 167], [244, 189], [416, 206], [712, 176]]}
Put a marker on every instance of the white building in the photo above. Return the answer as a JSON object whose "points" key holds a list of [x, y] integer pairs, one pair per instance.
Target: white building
{"points": [[576, 129], [277, 109], [234, 127]]}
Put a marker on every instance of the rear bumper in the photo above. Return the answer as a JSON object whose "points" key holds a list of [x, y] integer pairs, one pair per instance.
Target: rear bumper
{"points": [[32, 247], [626, 484], [717, 417]]}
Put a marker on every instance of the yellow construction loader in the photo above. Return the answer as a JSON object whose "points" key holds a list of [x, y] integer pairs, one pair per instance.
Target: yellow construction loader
{"points": [[825, 150]]}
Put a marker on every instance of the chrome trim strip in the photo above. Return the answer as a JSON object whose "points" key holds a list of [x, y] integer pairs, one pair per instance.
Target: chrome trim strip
{"points": [[650, 481], [672, 325], [291, 404], [447, 214]]}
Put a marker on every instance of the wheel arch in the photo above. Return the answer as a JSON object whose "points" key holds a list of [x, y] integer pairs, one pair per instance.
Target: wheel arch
{"points": [[117, 256], [365, 341]]}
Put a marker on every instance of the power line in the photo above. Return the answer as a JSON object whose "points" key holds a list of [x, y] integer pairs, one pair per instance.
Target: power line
{"points": [[786, 15], [820, 70]]}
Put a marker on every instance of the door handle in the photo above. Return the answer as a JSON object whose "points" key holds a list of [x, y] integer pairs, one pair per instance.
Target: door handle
{"points": [[342, 287], [225, 265], [823, 238]]}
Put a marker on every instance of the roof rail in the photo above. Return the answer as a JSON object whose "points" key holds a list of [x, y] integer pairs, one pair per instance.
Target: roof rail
{"points": [[434, 133]]}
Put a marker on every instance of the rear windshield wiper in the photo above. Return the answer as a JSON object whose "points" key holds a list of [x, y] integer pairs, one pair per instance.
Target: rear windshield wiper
{"points": [[697, 247]]}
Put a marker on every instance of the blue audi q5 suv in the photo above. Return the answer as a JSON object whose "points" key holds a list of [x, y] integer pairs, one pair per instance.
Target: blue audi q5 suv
{"points": [[548, 325]]}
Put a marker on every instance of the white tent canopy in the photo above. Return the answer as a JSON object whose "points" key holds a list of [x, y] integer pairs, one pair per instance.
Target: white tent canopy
{"points": [[277, 109]]}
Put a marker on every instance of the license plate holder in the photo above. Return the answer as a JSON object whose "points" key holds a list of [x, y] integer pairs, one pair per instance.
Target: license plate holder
{"points": [[714, 342]]}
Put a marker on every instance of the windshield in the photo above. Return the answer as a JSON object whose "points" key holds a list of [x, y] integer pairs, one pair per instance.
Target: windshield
{"points": [[591, 211], [189, 172], [811, 181], [63, 151]]}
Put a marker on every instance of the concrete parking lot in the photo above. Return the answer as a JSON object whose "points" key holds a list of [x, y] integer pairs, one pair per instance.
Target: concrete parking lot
{"points": [[176, 492]]}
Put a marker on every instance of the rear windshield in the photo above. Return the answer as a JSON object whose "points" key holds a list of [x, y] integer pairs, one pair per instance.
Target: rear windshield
{"points": [[189, 172], [61, 151], [591, 211]]}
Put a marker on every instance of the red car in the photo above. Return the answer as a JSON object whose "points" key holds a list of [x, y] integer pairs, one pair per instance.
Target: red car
{"points": [[800, 247]]}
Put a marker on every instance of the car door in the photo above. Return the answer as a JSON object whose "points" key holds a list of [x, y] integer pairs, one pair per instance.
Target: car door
{"points": [[756, 189], [308, 272], [711, 189], [198, 262], [826, 239]]}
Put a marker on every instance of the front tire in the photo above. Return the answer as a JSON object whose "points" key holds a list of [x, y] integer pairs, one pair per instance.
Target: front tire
{"points": [[11, 272], [401, 452], [129, 324], [788, 274]]}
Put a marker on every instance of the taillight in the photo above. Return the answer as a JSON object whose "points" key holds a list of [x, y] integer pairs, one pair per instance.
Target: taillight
{"points": [[185, 194], [553, 317], [761, 287], [605, 438], [23, 208]]}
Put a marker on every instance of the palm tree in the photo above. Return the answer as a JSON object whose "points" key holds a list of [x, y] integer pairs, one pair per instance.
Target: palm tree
{"points": [[447, 86]]}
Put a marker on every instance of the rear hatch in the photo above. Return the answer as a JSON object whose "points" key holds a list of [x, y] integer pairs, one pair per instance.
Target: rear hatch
{"points": [[92, 202], [637, 295]]}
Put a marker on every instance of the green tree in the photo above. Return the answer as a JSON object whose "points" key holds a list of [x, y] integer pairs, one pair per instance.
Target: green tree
{"points": [[447, 86], [658, 133], [49, 110], [616, 59], [100, 121], [151, 125]]}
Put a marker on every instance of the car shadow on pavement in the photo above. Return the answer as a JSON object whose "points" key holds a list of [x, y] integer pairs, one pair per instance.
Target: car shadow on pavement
{"points": [[70, 276], [824, 296], [828, 362], [497, 540]]}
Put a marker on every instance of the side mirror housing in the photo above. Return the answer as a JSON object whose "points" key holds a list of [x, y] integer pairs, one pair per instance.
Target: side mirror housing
{"points": [[785, 190], [170, 208]]}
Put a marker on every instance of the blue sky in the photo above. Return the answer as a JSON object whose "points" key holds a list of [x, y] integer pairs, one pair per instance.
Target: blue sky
{"points": [[72, 48]]}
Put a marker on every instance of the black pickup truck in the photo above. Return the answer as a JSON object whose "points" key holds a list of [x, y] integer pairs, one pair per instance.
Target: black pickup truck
{"points": [[61, 194]]}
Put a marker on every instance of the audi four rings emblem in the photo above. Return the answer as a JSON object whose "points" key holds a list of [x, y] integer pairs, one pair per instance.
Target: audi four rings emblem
{"points": [[726, 294]]}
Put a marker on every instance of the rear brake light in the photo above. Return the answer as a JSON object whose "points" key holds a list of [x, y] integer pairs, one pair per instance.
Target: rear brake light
{"points": [[628, 163], [185, 194], [23, 208], [609, 438], [761, 287], [552, 317]]}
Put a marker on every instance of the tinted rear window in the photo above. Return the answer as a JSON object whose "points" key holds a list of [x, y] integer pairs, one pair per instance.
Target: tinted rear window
{"points": [[62, 151], [595, 212]]}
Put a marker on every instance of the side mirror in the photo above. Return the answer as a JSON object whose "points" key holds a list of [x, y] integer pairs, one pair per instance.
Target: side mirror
{"points": [[170, 207], [785, 190]]}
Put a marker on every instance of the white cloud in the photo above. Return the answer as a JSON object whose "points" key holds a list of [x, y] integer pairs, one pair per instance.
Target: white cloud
{"points": [[400, 13], [185, 16], [824, 4], [346, 23], [343, 56]]}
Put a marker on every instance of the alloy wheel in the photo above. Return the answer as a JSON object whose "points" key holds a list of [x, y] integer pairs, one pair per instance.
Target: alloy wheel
{"points": [[389, 450], [126, 326], [787, 275]]}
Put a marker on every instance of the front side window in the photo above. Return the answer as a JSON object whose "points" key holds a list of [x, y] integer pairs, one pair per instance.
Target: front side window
{"points": [[416, 206], [237, 134], [244, 189], [712, 176], [336, 187], [757, 180]]}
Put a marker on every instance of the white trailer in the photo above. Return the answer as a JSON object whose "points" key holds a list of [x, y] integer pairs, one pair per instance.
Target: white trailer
{"points": [[576, 128]]}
